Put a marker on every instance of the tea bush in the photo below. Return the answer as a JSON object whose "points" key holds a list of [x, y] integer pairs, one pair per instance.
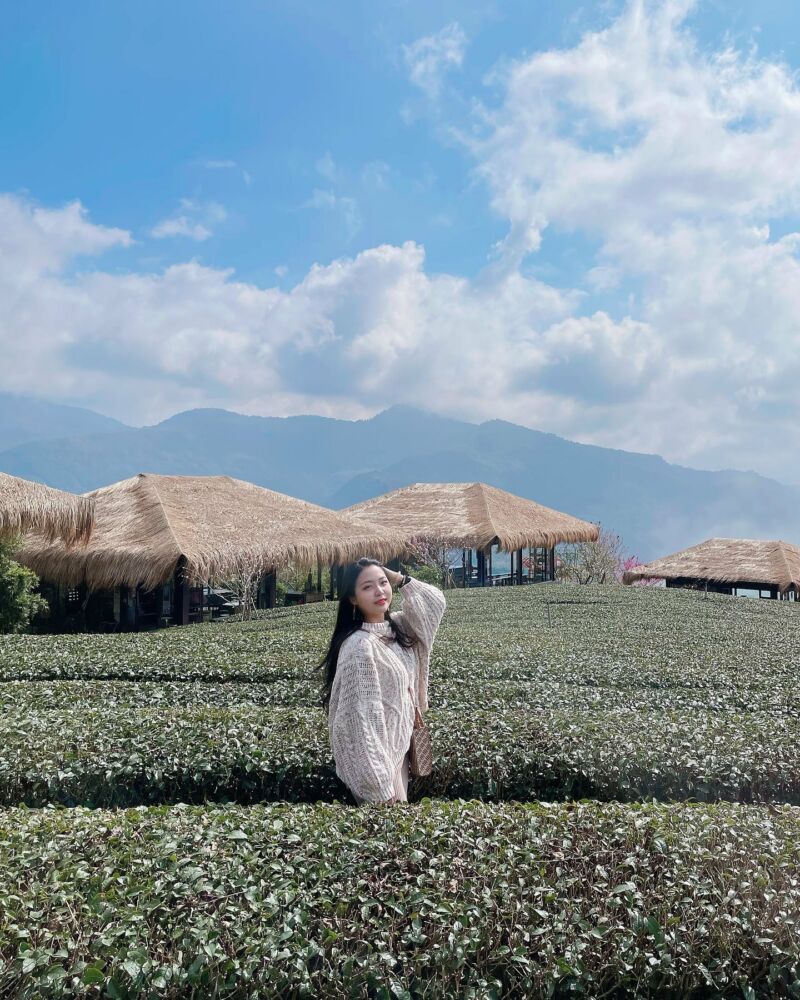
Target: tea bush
{"points": [[272, 884], [101, 756], [535, 692], [447, 900]]}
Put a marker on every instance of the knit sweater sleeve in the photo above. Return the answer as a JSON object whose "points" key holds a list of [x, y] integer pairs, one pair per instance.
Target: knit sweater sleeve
{"points": [[358, 733], [422, 611]]}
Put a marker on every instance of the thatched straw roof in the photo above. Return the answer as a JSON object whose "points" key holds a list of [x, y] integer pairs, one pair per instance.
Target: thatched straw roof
{"points": [[471, 515], [728, 561], [27, 506], [218, 525]]}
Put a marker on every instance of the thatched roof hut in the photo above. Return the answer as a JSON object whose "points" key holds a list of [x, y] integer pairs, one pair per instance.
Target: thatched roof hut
{"points": [[27, 506], [737, 563], [212, 525], [472, 515]]}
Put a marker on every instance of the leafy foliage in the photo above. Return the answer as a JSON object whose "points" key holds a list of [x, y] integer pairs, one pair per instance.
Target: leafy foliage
{"points": [[624, 694], [453, 900], [271, 884], [19, 602], [130, 756]]}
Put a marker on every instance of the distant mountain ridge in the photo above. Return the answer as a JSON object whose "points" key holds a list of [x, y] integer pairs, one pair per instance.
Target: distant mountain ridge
{"points": [[24, 420], [656, 507]]}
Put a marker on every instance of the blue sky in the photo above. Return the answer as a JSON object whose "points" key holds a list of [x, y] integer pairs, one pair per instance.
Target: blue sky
{"points": [[124, 107], [350, 181]]}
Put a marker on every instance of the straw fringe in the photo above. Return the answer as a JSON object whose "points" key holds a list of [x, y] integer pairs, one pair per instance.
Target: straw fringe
{"points": [[26, 506], [216, 525], [727, 561], [472, 515]]}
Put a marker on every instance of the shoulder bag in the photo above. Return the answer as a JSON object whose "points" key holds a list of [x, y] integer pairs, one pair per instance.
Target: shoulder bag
{"points": [[421, 762]]}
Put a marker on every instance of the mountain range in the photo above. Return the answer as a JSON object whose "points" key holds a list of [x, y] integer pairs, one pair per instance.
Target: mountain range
{"points": [[656, 507]]}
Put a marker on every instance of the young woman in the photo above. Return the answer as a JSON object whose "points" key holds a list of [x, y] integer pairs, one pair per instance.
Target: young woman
{"points": [[376, 672]]}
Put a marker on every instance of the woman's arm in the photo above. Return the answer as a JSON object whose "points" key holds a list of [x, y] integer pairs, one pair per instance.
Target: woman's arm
{"points": [[423, 606], [358, 729]]}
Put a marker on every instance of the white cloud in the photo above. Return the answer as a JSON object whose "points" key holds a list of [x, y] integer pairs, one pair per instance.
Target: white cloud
{"points": [[350, 338], [229, 165], [676, 162], [192, 219], [180, 225], [375, 175], [326, 167], [41, 240], [344, 205], [429, 58], [636, 117]]}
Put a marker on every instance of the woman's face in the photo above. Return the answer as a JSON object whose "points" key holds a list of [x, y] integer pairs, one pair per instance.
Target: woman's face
{"points": [[373, 593]]}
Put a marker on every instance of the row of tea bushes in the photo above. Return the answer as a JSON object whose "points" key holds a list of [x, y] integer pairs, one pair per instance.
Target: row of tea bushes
{"points": [[97, 757], [450, 899], [621, 637], [488, 687]]}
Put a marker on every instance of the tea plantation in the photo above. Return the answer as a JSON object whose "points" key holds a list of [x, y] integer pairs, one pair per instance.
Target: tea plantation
{"points": [[615, 809]]}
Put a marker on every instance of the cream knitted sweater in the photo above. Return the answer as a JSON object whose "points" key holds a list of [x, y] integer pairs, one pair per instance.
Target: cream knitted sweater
{"points": [[377, 683]]}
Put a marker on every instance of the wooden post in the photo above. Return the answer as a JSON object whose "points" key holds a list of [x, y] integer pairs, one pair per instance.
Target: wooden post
{"points": [[272, 589], [332, 568], [319, 577], [463, 568], [339, 578], [180, 592], [481, 568], [490, 561]]}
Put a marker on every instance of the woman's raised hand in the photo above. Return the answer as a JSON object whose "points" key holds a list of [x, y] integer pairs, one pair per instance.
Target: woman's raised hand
{"points": [[394, 578]]}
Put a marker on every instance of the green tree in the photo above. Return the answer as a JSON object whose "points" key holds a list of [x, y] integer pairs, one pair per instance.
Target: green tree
{"points": [[19, 602]]}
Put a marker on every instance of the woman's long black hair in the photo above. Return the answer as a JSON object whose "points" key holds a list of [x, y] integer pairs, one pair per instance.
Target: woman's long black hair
{"points": [[348, 620]]}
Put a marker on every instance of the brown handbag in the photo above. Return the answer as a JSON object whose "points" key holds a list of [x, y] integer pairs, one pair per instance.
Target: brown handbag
{"points": [[421, 761]]}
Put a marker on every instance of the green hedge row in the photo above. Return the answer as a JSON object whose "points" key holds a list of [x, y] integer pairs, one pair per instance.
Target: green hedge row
{"points": [[485, 688], [616, 637], [99, 757], [452, 900]]}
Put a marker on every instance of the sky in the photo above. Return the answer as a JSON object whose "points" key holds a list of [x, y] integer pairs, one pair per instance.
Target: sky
{"points": [[579, 217]]}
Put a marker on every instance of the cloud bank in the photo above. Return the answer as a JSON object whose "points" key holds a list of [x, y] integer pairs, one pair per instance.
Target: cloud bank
{"points": [[677, 163]]}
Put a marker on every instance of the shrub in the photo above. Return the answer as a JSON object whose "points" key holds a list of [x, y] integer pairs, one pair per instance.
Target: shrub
{"points": [[450, 900], [19, 602]]}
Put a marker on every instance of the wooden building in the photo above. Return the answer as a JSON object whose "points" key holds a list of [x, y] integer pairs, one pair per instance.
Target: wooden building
{"points": [[728, 565], [475, 517], [158, 539]]}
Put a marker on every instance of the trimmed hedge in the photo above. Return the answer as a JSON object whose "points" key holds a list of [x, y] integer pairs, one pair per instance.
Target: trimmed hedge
{"points": [[103, 756], [453, 899], [488, 688], [613, 636]]}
